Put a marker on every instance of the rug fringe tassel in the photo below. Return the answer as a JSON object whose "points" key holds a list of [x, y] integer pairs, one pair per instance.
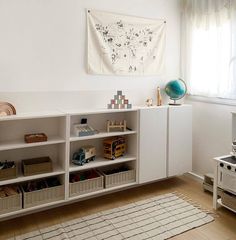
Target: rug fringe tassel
{"points": [[195, 204]]}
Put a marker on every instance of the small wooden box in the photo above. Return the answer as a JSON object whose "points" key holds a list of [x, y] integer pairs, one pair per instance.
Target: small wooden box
{"points": [[36, 137], [36, 166], [8, 173]]}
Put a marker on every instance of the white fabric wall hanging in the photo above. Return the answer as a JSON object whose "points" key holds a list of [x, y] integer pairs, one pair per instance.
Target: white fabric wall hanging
{"points": [[125, 45]]}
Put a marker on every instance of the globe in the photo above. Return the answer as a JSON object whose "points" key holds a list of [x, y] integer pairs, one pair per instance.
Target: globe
{"points": [[176, 89]]}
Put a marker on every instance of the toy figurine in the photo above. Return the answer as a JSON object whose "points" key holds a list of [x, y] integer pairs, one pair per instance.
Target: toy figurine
{"points": [[149, 102], [159, 98]]}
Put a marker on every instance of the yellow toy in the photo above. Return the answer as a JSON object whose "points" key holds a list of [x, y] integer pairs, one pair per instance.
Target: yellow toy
{"points": [[114, 147]]}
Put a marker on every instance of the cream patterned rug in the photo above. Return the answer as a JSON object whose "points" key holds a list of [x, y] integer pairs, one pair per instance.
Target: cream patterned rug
{"points": [[157, 218]]}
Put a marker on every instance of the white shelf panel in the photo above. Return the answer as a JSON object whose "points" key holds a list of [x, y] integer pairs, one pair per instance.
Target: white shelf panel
{"points": [[101, 162], [74, 112], [220, 203], [15, 144], [62, 202], [22, 178], [101, 135], [33, 115], [86, 195], [32, 209]]}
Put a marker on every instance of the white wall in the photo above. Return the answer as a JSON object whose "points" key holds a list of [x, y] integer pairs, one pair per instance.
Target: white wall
{"points": [[211, 134], [43, 44]]}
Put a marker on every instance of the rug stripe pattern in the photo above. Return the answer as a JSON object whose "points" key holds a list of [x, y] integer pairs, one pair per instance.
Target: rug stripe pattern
{"points": [[157, 218]]}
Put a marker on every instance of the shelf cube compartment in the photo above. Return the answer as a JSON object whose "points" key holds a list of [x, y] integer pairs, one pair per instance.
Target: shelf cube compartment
{"points": [[87, 185], [36, 166], [119, 178], [43, 196], [11, 203], [229, 200], [8, 173]]}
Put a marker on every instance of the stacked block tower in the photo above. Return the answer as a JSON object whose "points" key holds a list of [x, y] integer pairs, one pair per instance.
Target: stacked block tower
{"points": [[119, 102]]}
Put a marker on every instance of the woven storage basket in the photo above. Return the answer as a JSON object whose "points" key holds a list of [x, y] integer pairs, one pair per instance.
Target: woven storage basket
{"points": [[11, 203], [43, 196], [36, 166], [87, 186], [8, 173], [120, 178], [229, 200]]}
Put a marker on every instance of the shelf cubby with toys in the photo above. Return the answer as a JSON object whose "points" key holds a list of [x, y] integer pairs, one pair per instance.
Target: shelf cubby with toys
{"points": [[58, 144]]}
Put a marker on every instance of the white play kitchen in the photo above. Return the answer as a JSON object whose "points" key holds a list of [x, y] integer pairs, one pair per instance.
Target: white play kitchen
{"points": [[150, 148], [225, 175]]}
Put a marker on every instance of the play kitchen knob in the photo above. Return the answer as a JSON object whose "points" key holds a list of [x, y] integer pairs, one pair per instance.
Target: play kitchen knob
{"points": [[229, 167], [222, 164]]}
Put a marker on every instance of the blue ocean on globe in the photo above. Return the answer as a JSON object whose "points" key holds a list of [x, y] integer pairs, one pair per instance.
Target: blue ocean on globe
{"points": [[176, 89]]}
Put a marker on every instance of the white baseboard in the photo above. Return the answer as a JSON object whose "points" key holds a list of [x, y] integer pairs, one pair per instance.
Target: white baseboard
{"points": [[196, 176]]}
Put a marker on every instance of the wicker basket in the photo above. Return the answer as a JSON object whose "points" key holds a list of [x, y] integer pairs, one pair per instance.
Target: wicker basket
{"points": [[11, 203], [87, 186], [120, 178], [36, 166], [229, 200], [8, 173], [43, 196]]}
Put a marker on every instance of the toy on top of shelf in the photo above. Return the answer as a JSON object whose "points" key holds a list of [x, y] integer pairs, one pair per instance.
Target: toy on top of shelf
{"points": [[149, 102], [159, 98], [119, 102], [121, 125], [84, 155], [7, 109], [35, 137], [114, 147]]}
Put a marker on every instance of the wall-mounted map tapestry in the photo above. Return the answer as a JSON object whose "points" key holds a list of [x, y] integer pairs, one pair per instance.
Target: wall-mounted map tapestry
{"points": [[125, 45]]}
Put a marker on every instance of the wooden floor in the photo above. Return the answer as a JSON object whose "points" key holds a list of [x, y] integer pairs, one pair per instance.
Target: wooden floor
{"points": [[223, 228]]}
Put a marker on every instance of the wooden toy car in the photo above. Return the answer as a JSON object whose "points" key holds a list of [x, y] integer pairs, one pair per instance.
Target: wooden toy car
{"points": [[114, 147], [84, 155]]}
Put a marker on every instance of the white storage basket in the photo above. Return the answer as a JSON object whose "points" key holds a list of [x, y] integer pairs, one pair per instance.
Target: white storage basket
{"points": [[11, 203], [43, 196], [87, 186], [120, 178]]}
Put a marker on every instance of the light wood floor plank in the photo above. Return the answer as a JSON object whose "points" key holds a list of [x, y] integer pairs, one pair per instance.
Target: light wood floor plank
{"points": [[223, 228]]}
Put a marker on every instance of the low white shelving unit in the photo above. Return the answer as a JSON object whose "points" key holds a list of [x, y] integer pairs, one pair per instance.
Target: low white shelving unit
{"points": [[62, 143]]}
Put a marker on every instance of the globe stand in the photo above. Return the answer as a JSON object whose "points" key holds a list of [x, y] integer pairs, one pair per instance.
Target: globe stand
{"points": [[174, 103]]}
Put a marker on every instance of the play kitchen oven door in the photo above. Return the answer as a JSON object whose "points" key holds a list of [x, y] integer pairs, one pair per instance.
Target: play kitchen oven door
{"points": [[227, 177]]}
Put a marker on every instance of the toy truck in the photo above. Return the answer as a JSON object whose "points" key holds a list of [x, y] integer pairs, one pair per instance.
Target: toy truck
{"points": [[114, 147], [84, 155]]}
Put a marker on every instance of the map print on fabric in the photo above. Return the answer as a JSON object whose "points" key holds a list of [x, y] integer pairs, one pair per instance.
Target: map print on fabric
{"points": [[125, 45]]}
